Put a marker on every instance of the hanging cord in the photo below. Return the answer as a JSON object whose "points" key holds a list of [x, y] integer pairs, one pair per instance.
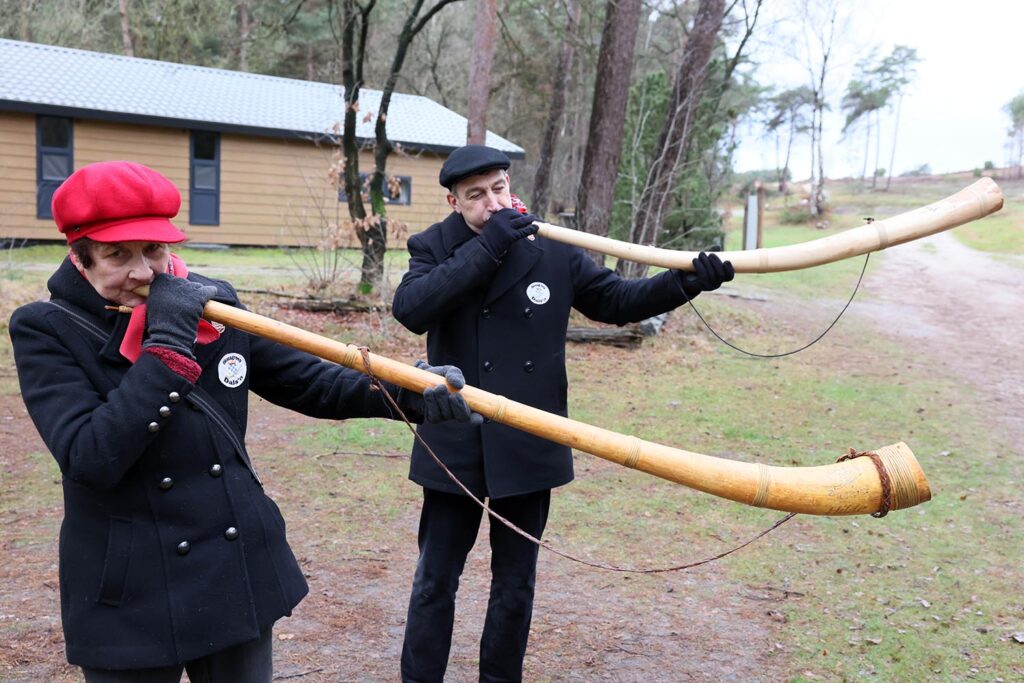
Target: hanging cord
{"points": [[787, 353], [378, 386]]}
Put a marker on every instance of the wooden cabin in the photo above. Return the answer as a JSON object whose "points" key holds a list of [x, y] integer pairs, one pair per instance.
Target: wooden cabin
{"points": [[251, 154]]}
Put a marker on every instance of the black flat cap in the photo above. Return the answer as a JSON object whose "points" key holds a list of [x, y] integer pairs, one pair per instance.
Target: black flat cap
{"points": [[471, 160]]}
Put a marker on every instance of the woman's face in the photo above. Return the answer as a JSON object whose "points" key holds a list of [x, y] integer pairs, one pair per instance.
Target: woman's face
{"points": [[119, 267]]}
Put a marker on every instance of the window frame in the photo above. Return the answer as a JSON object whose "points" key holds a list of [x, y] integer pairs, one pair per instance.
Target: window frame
{"points": [[193, 163], [406, 185], [50, 185]]}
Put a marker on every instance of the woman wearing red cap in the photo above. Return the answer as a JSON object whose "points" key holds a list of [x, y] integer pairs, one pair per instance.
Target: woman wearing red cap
{"points": [[172, 557]]}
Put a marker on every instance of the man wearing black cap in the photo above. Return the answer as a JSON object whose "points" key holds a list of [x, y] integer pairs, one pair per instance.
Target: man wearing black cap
{"points": [[497, 305]]}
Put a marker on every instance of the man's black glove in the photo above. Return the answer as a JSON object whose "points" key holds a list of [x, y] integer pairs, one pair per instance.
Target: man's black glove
{"points": [[173, 310], [438, 404], [504, 228], [709, 272]]}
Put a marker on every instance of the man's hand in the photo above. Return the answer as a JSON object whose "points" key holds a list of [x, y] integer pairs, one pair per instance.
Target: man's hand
{"points": [[173, 310], [504, 228], [709, 272], [439, 404]]}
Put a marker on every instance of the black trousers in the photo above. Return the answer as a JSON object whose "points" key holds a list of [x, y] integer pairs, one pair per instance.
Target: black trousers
{"points": [[250, 662], [448, 528]]}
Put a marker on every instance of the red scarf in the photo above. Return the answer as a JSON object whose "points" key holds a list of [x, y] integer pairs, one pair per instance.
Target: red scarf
{"points": [[131, 345]]}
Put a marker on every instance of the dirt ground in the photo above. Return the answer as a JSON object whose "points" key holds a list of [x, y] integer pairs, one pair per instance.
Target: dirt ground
{"points": [[952, 303]]}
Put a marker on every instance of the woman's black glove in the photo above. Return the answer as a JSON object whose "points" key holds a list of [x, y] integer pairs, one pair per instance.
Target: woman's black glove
{"points": [[504, 228], [709, 272], [173, 310], [437, 404]]}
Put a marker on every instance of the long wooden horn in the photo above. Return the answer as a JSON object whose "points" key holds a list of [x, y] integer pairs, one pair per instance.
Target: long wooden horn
{"points": [[847, 488], [974, 201]]}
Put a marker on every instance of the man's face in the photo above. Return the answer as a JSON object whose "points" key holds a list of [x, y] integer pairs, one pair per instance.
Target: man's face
{"points": [[479, 196], [119, 267]]}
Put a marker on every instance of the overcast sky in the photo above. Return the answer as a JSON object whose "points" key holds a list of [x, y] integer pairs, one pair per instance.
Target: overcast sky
{"points": [[952, 118]]}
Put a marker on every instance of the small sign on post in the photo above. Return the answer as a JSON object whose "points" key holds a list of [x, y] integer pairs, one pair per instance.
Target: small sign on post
{"points": [[753, 216]]}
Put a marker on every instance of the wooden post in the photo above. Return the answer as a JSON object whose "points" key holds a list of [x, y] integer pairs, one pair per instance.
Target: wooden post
{"points": [[760, 213]]}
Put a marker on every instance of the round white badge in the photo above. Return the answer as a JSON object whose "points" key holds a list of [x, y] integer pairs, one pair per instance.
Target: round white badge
{"points": [[231, 370], [538, 292]]}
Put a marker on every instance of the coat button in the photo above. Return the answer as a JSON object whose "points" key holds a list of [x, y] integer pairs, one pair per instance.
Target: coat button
{"points": [[231, 533], [528, 312], [166, 483], [184, 547], [528, 366], [486, 313], [488, 366], [216, 470], [153, 427], [164, 411], [174, 396]]}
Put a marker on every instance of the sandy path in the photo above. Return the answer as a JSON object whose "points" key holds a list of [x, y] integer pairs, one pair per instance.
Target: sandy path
{"points": [[961, 306]]}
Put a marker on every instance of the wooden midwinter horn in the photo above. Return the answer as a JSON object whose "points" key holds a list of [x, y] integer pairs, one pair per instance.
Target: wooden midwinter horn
{"points": [[974, 201], [851, 487]]}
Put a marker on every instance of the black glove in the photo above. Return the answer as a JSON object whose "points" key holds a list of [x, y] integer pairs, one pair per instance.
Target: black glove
{"points": [[504, 228], [709, 272], [173, 310], [438, 404]]}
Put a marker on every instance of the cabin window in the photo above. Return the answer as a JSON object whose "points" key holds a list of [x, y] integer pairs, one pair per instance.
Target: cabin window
{"points": [[397, 189], [204, 178], [54, 159]]}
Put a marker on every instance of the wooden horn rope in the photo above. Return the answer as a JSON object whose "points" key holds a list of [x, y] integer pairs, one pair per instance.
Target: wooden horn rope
{"points": [[974, 201], [846, 488]]}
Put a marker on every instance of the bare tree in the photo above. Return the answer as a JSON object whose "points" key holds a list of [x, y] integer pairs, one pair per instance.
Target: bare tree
{"points": [[897, 72], [485, 34], [821, 23], [607, 118], [245, 24], [542, 178], [372, 233], [1015, 109], [788, 113], [126, 29], [674, 139], [355, 26]]}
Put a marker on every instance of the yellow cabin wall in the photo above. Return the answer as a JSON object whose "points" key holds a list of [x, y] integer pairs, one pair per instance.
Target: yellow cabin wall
{"points": [[273, 191]]}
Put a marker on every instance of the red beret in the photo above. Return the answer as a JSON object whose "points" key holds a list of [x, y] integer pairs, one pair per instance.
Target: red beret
{"points": [[117, 201]]}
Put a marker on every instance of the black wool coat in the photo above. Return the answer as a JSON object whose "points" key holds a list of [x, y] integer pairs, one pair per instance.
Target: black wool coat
{"points": [[503, 323], [169, 549]]}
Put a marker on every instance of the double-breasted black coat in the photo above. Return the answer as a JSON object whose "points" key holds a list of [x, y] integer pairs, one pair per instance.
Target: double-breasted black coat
{"points": [[503, 323], [169, 548]]}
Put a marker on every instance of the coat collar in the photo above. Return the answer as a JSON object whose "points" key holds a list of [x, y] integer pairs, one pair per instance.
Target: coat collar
{"points": [[68, 286], [454, 232]]}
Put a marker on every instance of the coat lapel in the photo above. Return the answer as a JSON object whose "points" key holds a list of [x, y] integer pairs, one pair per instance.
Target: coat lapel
{"points": [[520, 259], [454, 232]]}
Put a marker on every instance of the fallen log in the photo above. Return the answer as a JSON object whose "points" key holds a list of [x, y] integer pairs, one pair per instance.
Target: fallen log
{"points": [[628, 337]]}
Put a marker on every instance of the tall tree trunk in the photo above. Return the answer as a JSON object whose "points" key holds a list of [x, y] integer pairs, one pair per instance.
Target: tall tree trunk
{"points": [[867, 149], [485, 35], [126, 28], [352, 80], [607, 118], [28, 10], [784, 180], [675, 135], [244, 32], [878, 149], [374, 234], [545, 160], [895, 131]]}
